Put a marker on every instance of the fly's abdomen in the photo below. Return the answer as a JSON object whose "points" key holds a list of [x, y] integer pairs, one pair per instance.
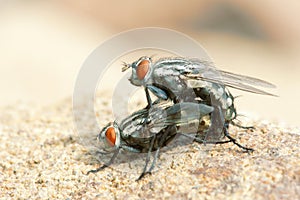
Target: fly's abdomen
{"points": [[219, 97]]}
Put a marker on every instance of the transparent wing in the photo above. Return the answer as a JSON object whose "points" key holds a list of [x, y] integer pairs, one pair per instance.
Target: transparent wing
{"points": [[202, 70], [241, 82], [246, 79], [181, 114]]}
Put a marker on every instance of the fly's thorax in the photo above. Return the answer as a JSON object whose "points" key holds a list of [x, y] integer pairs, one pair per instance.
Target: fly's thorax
{"points": [[141, 71], [167, 77], [141, 124], [132, 124], [110, 137]]}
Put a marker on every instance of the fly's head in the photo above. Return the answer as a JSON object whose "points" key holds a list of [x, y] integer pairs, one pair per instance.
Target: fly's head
{"points": [[141, 70], [110, 137]]}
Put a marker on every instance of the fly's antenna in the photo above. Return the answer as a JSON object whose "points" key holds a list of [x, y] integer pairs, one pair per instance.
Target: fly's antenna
{"points": [[125, 66]]}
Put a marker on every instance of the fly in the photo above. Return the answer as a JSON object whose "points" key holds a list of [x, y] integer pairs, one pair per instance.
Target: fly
{"points": [[192, 80], [179, 78], [149, 130]]}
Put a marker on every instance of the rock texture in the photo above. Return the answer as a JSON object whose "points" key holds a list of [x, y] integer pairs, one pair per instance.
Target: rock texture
{"points": [[42, 157]]}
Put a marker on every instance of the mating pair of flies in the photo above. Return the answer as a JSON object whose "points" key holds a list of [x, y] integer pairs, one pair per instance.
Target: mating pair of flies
{"points": [[193, 101]]}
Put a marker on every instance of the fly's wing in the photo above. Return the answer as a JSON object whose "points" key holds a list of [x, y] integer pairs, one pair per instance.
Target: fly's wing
{"points": [[195, 69], [146, 123], [181, 114], [246, 79], [185, 112], [140, 123], [237, 81]]}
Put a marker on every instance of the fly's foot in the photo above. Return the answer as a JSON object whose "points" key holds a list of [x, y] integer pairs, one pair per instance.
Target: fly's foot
{"points": [[233, 140], [142, 175], [96, 170], [246, 149]]}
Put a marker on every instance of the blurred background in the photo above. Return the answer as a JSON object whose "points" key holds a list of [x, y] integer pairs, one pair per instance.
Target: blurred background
{"points": [[44, 43]]}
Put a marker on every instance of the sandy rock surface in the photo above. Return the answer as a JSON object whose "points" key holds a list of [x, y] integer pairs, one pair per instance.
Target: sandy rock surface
{"points": [[42, 157]]}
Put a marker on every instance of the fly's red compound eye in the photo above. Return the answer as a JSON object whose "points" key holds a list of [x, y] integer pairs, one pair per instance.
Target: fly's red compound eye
{"points": [[142, 69], [110, 136]]}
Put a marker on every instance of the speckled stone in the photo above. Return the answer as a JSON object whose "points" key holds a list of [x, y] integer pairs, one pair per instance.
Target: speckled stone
{"points": [[41, 157]]}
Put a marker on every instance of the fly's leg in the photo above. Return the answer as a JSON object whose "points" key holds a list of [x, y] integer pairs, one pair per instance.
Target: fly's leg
{"points": [[152, 165], [149, 101], [222, 142], [147, 159], [233, 140], [211, 142], [162, 141], [105, 165], [154, 160], [201, 141], [243, 127], [238, 125], [157, 101], [148, 98]]}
